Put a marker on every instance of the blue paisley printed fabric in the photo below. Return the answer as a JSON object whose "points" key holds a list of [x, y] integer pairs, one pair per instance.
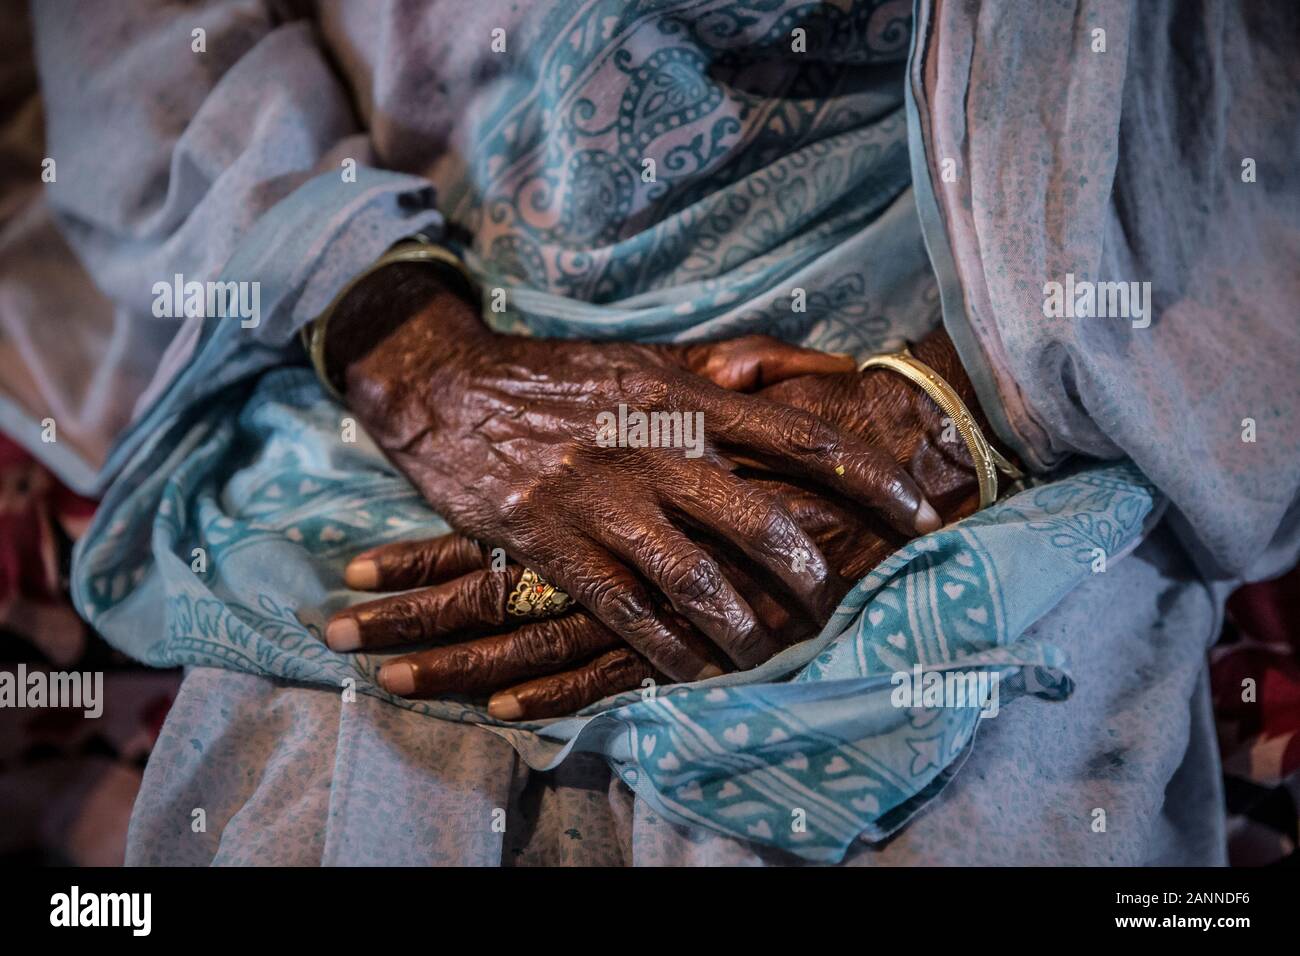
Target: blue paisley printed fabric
{"points": [[680, 173]]}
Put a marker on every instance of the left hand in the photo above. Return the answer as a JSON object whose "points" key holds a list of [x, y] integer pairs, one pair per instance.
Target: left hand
{"points": [[540, 668]]}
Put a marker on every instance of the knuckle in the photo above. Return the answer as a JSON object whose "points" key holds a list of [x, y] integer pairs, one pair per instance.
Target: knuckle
{"points": [[619, 601], [590, 683], [538, 646], [748, 639], [556, 695], [466, 550], [647, 385], [517, 504], [805, 434], [405, 616], [564, 639], [691, 576], [384, 394], [774, 528], [461, 661], [420, 564], [784, 542], [490, 594], [611, 673]]}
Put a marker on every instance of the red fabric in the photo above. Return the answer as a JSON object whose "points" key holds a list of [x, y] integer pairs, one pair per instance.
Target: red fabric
{"points": [[1260, 737], [32, 505], [1259, 732]]}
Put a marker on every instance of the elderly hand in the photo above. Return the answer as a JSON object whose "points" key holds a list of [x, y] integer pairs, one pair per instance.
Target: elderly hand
{"points": [[553, 667], [503, 436], [542, 668]]}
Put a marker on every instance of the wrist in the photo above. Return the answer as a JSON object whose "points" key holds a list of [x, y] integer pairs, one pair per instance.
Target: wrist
{"points": [[940, 459], [937, 351], [381, 302], [439, 301], [428, 342]]}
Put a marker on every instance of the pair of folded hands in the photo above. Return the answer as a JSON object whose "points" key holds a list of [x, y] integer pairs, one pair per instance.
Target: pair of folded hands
{"points": [[680, 567]]}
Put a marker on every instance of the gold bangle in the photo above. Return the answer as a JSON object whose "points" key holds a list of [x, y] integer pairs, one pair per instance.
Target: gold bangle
{"points": [[988, 462], [418, 249]]}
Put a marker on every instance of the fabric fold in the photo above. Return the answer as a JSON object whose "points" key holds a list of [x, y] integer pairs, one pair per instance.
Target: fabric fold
{"points": [[1114, 223], [816, 731]]}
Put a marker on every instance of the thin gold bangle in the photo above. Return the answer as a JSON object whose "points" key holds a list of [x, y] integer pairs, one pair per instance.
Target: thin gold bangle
{"points": [[419, 249], [988, 462]]}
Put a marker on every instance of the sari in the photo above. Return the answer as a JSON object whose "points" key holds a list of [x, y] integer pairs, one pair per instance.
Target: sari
{"points": [[774, 171]]}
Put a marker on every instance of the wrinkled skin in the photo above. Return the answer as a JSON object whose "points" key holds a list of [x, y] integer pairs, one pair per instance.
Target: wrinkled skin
{"points": [[552, 667], [499, 433]]}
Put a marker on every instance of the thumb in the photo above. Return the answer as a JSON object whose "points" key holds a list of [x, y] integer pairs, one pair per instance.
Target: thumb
{"points": [[752, 362]]}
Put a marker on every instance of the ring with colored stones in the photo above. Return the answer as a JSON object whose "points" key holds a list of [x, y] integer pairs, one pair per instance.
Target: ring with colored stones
{"points": [[533, 597]]}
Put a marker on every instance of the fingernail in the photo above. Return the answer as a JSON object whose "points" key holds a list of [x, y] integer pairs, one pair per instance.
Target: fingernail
{"points": [[709, 670], [505, 706], [927, 519], [361, 574], [342, 634], [397, 678]]}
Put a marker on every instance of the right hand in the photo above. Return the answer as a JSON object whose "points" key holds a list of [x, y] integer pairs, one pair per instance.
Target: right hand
{"points": [[499, 434]]}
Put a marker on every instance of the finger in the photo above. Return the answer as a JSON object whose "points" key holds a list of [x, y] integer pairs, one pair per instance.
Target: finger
{"points": [[754, 361], [693, 581], [490, 663], [611, 673], [474, 602], [753, 519], [413, 564], [800, 444], [605, 587], [785, 622]]}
